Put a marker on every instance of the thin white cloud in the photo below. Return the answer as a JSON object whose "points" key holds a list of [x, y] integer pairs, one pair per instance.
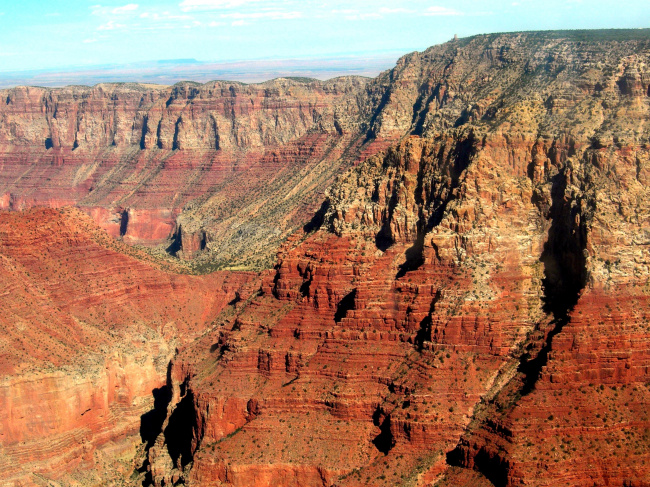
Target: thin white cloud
{"points": [[111, 25], [263, 15], [130, 7], [386, 10], [354, 14], [365, 16], [216, 24], [188, 5], [155, 16], [441, 11], [103, 11], [239, 23], [89, 41]]}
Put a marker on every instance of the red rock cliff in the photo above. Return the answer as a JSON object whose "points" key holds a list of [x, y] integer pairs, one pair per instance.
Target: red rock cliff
{"points": [[457, 306], [88, 333], [468, 307]]}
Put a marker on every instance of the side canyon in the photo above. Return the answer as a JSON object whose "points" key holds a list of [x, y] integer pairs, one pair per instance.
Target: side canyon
{"points": [[440, 276]]}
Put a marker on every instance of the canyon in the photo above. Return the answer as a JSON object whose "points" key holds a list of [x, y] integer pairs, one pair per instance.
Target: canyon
{"points": [[440, 276]]}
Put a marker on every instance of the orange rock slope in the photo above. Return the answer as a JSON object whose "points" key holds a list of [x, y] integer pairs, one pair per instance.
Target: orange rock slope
{"points": [[87, 335], [469, 306]]}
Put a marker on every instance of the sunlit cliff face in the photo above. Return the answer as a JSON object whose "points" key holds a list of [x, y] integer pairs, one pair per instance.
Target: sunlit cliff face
{"points": [[468, 306]]}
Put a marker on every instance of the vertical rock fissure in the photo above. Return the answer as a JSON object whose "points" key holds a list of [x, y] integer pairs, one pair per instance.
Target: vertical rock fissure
{"points": [[420, 110], [170, 428], [565, 270], [215, 130], [177, 126], [143, 135], [424, 330], [176, 244], [385, 440], [371, 132], [460, 159], [180, 431], [318, 219], [346, 304], [414, 256], [124, 222], [565, 276], [152, 422], [159, 135]]}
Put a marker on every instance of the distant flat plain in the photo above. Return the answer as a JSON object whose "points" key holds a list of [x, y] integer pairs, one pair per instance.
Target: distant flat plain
{"points": [[168, 72]]}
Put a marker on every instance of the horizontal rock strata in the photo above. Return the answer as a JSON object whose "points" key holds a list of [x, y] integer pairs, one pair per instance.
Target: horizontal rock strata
{"points": [[88, 333], [452, 319], [469, 305]]}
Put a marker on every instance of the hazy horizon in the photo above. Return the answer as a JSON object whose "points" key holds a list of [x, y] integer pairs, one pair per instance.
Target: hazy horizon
{"points": [[170, 71], [42, 36], [85, 42]]}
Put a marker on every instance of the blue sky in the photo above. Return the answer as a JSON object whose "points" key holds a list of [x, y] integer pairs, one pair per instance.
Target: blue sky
{"points": [[37, 34]]}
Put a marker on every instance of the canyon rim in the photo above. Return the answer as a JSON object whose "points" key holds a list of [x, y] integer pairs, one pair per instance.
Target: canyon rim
{"points": [[437, 276]]}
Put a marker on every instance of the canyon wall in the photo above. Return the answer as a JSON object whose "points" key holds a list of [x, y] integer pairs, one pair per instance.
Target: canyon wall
{"points": [[226, 168], [469, 305], [88, 333]]}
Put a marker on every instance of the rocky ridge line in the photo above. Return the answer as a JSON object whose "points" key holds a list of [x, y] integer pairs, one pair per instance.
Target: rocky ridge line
{"points": [[441, 266]]}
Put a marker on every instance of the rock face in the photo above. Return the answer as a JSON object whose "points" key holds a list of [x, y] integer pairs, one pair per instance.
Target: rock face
{"points": [[469, 306], [87, 335], [461, 304], [224, 167]]}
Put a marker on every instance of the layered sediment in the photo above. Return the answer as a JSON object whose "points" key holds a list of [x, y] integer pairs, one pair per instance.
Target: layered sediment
{"points": [[469, 305], [88, 333], [450, 314], [226, 168]]}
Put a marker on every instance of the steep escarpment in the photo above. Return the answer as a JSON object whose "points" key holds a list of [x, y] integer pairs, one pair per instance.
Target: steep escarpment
{"points": [[469, 305], [456, 313], [225, 168], [574, 413], [87, 335]]}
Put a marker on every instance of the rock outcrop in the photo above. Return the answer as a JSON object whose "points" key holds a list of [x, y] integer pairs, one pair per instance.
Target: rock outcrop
{"points": [[462, 299], [469, 305]]}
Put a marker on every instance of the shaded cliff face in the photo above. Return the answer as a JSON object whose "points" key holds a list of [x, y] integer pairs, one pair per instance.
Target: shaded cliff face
{"points": [[458, 317]]}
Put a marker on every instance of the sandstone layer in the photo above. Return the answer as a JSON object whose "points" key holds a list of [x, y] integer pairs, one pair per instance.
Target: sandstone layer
{"points": [[469, 305], [88, 333], [475, 297]]}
